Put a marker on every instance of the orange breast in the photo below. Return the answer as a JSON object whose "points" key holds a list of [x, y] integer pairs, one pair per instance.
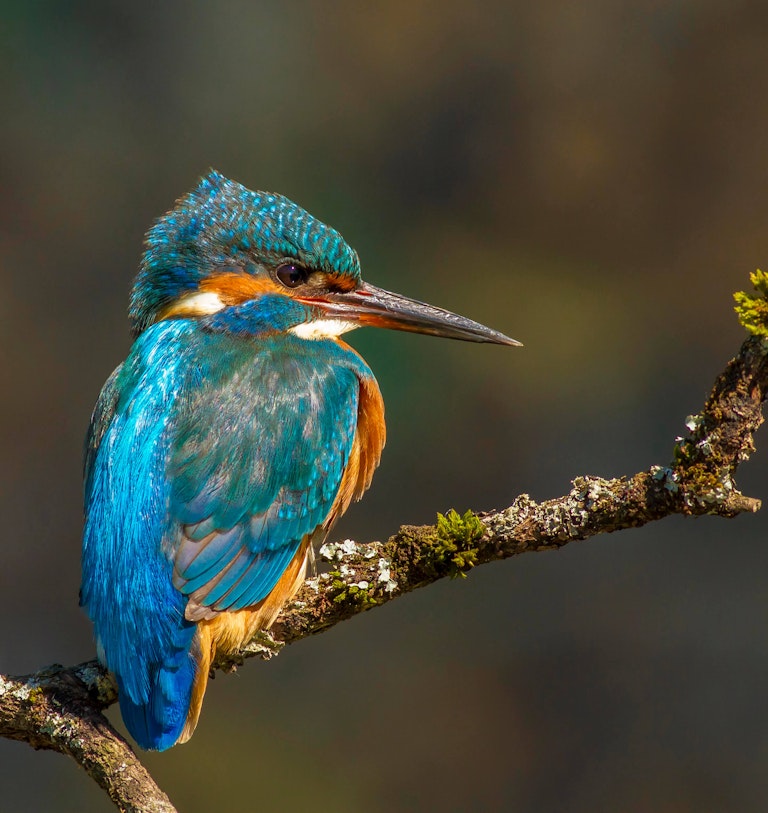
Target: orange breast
{"points": [[366, 449]]}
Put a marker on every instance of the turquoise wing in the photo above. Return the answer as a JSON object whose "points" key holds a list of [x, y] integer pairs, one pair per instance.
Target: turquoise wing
{"points": [[258, 460]]}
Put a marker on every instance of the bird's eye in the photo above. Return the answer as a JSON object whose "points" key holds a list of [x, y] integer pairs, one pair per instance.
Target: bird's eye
{"points": [[291, 274]]}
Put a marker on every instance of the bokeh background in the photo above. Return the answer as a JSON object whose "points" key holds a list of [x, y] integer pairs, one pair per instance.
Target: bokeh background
{"points": [[588, 177]]}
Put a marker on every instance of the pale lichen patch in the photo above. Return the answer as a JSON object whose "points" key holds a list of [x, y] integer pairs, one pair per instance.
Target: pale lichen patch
{"points": [[338, 551], [384, 567]]}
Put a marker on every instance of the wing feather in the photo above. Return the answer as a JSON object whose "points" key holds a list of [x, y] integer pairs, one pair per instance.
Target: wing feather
{"points": [[259, 459]]}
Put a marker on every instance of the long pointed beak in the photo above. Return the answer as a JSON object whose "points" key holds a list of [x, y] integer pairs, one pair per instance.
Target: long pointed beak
{"points": [[369, 305]]}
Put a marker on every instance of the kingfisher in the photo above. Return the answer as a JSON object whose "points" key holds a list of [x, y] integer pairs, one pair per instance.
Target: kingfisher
{"points": [[228, 443]]}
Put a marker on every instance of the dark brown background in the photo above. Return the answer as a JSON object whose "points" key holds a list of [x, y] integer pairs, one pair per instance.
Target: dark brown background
{"points": [[588, 177]]}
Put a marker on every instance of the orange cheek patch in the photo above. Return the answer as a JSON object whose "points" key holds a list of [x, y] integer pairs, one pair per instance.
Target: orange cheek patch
{"points": [[340, 282], [234, 289]]}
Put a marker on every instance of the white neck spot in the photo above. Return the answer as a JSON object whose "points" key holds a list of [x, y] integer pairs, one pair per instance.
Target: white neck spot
{"points": [[199, 303], [322, 328]]}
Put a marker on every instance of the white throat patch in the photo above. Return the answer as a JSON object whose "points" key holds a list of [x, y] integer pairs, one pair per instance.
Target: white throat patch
{"points": [[323, 328]]}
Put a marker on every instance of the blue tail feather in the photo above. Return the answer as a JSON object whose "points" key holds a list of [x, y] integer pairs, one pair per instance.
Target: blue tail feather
{"points": [[158, 723]]}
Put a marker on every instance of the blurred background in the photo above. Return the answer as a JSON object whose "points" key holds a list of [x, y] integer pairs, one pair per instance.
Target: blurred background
{"points": [[589, 178]]}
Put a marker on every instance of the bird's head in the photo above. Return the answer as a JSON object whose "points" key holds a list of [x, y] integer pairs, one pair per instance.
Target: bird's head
{"points": [[223, 246]]}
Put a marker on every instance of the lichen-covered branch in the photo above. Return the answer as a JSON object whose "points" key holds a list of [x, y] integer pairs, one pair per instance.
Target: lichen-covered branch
{"points": [[61, 708]]}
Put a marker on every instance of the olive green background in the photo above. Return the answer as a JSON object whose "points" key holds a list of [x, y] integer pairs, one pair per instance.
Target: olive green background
{"points": [[590, 178]]}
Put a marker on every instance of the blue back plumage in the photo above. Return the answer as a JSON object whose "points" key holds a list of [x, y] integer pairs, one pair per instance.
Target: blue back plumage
{"points": [[127, 590]]}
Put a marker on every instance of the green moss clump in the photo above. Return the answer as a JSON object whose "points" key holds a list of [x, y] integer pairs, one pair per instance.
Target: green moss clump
{"points": [[752, 309], [350, 594], [421, 554], [456, 538]]}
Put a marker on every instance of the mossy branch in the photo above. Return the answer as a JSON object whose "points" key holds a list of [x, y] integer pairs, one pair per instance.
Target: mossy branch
{"points": [[60, 708]]}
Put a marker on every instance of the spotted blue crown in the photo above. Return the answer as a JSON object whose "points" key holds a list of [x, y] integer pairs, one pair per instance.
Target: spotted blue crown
{"points": [[222, 226]]}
